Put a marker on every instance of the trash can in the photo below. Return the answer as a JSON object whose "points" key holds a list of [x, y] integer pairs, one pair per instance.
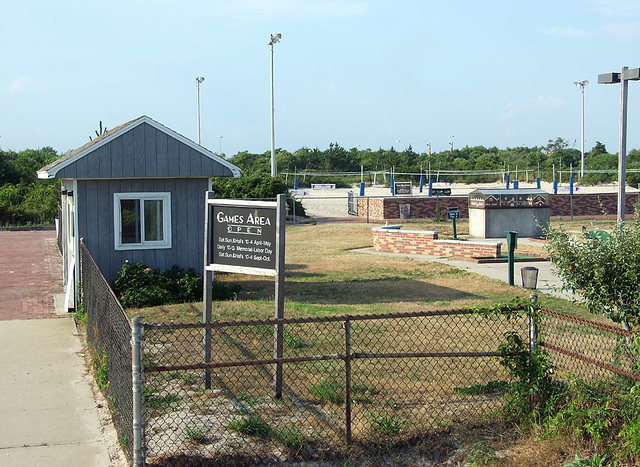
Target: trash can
{"points": [[405, 211], [529, 277]]}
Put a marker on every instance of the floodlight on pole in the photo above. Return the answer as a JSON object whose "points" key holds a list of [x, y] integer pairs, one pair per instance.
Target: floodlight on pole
{"points": [[275, 38], [581, 85], [623, 78], [220, 147], [199, 80]]}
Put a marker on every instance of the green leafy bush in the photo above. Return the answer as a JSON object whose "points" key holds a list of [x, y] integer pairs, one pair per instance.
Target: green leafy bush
{"points": [[140, 286]]}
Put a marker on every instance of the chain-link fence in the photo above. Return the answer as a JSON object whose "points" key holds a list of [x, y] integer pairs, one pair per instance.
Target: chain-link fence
{"points": [[349, 379], [109, 340], [342, 381], [586, 349]]}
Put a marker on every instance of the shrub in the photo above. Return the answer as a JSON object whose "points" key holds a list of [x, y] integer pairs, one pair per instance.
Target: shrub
{"points": [[140, 286]]}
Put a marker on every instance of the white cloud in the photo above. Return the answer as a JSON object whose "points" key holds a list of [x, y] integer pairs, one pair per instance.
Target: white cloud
{"points": [[18, 85]]}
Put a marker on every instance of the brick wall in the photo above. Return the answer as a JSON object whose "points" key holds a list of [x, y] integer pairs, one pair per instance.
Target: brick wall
{"points": [[427, 243], [584, 204], [589, 204]]}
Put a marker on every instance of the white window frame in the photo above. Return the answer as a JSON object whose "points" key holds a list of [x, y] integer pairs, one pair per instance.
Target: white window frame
{"points": [[165, 197]]}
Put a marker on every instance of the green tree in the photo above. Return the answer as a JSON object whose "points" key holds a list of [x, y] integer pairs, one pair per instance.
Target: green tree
{"points": [[603, 270], [25, 200]]}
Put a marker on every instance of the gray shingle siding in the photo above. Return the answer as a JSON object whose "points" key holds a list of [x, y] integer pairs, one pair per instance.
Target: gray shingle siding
{"points": [[95, 207], [144, 152]]}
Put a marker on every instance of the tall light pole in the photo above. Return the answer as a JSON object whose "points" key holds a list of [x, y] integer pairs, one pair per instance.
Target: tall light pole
{"points": [[581, 85], [220, 142], [199, 80], [275, 38], [612, 78]]}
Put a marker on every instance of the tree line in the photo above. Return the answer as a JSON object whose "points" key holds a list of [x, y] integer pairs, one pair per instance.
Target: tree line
{"points": [[25, 200], [543, 161]]}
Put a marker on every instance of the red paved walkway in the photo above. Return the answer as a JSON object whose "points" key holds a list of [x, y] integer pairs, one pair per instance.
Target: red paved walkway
{"points": [[30, 274]]}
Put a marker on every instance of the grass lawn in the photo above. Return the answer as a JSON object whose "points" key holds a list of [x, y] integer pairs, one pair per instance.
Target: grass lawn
{"points": [[324, 277]]}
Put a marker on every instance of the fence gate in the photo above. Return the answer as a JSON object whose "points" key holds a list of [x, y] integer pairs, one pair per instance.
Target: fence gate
{"points": [[352, 204]]}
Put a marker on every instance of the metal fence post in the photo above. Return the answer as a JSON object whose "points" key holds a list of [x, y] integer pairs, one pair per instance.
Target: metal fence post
{"points": [[136, 373], [533, 327], [347, 378], [533, 339], [278, 332]]}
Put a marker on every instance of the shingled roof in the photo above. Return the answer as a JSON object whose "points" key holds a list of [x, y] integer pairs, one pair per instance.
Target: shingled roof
{"points": [[140, 148]]}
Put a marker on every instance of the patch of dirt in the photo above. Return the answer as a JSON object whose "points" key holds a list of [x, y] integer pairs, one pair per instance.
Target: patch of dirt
{"points": [[117, 457]]}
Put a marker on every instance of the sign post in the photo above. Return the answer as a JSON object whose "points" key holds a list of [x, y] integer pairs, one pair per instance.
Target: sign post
{"points": [[453, 214], [246, 237]]}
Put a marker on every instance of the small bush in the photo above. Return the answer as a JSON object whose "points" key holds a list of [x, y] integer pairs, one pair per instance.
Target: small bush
{"points": [[139, 286]]}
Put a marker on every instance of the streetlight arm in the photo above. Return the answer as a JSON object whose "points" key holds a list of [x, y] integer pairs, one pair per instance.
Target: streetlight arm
{"points": [[623, 78]]}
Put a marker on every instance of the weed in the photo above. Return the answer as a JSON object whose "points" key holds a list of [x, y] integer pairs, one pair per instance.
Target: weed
{"points": [[250, 426], [186, 378], [630, 439], [533, 386], [361, 393], [387, 425], [329, 391], [292, 438], [80, 315], [481, 453], [195, 434], [101, 370], [597, 460], [293, 341], [156, 402], [492, 387], [246, 398]]}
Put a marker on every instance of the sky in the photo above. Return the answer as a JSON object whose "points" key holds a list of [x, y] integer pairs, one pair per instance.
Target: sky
{"points": [[360, 73]]}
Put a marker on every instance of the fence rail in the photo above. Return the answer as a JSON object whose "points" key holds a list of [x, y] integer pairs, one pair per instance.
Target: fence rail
{"points": [[588, 349]]}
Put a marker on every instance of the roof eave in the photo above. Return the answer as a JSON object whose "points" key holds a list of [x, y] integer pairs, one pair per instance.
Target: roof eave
{"points": [[45, 175]]}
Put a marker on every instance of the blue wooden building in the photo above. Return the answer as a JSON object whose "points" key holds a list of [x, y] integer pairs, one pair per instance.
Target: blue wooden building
{"points": [[136, 193]]}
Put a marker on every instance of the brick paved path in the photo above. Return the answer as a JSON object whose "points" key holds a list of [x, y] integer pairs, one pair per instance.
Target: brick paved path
{"points": [[30, 274]]}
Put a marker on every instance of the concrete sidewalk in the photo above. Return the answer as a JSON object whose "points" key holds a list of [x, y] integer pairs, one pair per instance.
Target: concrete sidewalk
{"points": [[48, 414], [548, 281]]}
